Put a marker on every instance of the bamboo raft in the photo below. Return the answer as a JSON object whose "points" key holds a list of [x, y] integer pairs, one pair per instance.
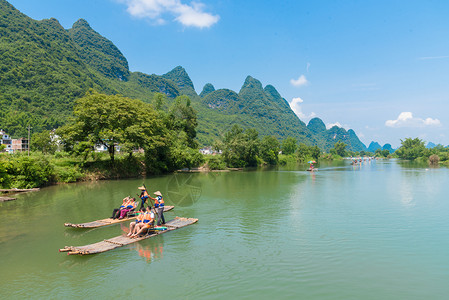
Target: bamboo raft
{"points": [[122, 240], [108, 221]]}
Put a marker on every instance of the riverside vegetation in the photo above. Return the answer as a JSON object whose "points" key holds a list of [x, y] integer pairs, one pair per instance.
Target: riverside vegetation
{"points": [[152, 138], [71, 80], [156, 138]]}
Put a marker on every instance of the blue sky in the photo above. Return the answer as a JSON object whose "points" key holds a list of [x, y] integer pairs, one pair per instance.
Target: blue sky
{"points": [[378, 67]]}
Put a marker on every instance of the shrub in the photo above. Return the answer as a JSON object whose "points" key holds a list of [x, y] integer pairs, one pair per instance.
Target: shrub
{"points": [[434, 159], [216, 162], [30, 172]]}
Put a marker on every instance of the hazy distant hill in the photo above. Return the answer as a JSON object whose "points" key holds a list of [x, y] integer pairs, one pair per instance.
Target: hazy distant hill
{"points": [[373, 146], [328, 137], [44, 68], [388, 147], [430, 145]]}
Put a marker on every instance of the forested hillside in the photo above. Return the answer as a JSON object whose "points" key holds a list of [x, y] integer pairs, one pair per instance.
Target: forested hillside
{"points": [[44, 68]]}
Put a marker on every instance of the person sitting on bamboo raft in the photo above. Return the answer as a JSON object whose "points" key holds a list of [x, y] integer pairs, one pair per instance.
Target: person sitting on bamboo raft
{"points": [[139, 221], [147, 224], [159, 207], [116, 211], [130, 205]]}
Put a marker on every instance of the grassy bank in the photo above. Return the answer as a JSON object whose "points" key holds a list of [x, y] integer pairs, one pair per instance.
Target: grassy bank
{"points": [[38, 170]]}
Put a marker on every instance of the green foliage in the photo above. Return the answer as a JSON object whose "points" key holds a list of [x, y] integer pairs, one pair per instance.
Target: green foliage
{"points": [[216, 162], [411, 149], [306, 153], [98, 52], [269, 150], [382, 153], [289, 146], [239, 147], [110, 121], [66, 174], [339, 149], [44, 142], [182, 117], [287, 160], [29, 171], [4, 176]]}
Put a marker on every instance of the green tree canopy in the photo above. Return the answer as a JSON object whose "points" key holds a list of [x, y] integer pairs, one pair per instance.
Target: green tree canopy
{"points": [[44, 142], [269, 149], [113, 120], [289, 146], [339, 149], [239, 148], [411, 149]]}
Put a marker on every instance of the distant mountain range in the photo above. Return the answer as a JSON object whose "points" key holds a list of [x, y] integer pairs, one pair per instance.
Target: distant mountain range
{"points": [[373, 146], [44, 68]]}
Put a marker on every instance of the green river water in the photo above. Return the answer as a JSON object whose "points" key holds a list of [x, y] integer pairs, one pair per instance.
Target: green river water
{"points": [[375, 231]]}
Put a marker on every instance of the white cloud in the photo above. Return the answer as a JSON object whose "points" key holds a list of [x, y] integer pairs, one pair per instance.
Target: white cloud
{"points": [[302, 80], [406, 119], [434, 57], [188, 15], [295, 105], [330, 125]]}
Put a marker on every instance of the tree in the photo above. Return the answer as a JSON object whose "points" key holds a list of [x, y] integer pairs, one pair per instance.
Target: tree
{"points": [[315, 152], [411, 149], [44, 142], [269, 150], [289, 146], [239, 148], [182, 116], [339, 149], [305, 152], [112, 120]]}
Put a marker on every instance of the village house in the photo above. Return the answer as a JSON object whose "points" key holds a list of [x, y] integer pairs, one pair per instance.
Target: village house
{"points": [[13, 145]]}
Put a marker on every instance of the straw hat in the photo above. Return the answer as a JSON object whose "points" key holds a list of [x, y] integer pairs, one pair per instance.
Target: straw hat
{"points": [[141, 188], [158, 193]]}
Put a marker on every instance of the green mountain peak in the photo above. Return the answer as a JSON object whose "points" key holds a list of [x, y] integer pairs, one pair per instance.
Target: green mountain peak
{"points": [[316, 125], [207, 89], [179, 76], [98, 52], [251, 83]]}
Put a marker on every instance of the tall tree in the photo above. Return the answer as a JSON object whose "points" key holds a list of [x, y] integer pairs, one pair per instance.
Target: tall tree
{"points": [[113, 120], [339, 149], [182, 116], [411, 149], [289, 146], [269, 149], [240, 148]]}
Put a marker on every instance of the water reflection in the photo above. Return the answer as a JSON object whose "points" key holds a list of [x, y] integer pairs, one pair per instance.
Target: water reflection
{"points": [[150, 252]]}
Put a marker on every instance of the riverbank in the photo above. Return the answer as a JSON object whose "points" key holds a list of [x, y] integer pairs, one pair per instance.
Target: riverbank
{"points": [[6, 193]]}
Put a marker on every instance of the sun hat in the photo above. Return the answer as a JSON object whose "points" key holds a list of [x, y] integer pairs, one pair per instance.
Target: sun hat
{"points": [[158, 193], [141, 188]]}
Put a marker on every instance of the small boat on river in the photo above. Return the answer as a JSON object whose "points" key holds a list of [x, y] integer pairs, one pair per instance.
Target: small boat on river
{"points": [[108, 221], [123, 240]]}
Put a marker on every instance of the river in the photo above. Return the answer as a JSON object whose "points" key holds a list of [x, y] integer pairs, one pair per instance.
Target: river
{"points": [[374, 231]]}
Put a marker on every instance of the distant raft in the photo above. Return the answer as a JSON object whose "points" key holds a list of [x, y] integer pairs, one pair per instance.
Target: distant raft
{"points": [[106, 222], [123, 240]]}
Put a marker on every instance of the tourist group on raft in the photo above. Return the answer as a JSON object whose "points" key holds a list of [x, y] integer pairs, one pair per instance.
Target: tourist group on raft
{"points": [[145, 216]]}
